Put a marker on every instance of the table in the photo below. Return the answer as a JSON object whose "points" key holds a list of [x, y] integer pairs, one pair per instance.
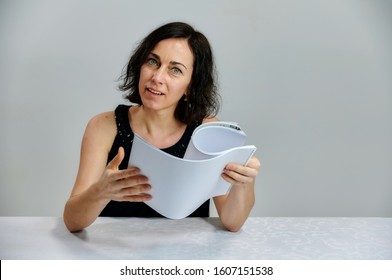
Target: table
{"points": [[197, 238]]}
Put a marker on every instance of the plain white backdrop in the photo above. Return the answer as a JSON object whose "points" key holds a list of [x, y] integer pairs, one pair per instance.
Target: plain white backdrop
{"points": [[308, 81]]}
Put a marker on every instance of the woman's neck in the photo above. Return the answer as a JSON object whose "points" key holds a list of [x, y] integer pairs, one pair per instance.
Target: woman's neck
{"points": [[159, 128]]}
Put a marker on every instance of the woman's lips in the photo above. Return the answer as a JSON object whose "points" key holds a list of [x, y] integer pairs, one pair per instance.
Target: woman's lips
{"points": [[153, 91]]}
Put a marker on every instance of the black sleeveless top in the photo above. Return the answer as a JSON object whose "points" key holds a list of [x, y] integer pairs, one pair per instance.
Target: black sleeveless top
{"points": [[124, 138]]}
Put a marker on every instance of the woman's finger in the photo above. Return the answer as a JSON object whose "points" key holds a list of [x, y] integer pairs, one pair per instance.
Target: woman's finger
{"points": [[116, 161]]}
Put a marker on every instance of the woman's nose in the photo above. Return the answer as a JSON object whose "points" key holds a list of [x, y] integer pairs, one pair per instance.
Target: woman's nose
{"points": [[158, 76]]}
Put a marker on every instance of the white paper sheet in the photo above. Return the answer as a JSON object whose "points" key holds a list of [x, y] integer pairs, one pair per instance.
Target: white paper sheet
{"points": [[180, 186]]}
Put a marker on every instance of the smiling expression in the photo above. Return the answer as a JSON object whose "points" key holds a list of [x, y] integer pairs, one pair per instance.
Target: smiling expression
{"points": [[166, 74]]}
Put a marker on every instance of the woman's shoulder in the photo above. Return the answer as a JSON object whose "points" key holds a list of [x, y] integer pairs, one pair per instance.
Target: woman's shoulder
{"points": [[102, 120], [101, 127], [110, 122], [99, 134], [210, 119]]}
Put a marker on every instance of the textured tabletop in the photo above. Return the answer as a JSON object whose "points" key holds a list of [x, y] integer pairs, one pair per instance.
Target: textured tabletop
{"points": [[197, 238]]}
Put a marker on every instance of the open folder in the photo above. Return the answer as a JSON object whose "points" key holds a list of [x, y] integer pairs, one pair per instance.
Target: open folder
{"points": [[181, 185]]}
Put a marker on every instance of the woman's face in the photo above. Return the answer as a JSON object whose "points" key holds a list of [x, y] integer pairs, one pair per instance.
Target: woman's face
{"points": [[166, 74]]}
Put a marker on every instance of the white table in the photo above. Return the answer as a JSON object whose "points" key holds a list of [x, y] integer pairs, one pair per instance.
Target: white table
{"points": [[197, 238]]}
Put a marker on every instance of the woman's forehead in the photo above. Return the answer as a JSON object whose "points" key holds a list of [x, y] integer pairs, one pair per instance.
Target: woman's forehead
{"points": [[174, 49]]}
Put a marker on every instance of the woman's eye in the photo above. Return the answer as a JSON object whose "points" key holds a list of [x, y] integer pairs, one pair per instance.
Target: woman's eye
{"points": [[176, 71], [152, 61]]}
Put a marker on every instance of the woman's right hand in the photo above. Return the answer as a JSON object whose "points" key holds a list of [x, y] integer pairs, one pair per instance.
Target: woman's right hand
{"points": [[122, 185]]}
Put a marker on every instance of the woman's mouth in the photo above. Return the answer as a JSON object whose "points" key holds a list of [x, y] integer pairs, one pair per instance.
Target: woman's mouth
{"points": [[155, 92]]}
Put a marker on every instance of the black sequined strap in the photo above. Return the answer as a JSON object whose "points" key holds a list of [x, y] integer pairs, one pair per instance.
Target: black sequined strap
{"points": [[124, 131]]}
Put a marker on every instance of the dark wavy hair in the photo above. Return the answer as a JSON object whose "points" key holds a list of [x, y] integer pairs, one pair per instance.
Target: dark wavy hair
{"points": [[202, 99]]}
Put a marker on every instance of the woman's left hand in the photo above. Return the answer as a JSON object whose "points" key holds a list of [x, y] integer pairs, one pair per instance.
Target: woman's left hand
{"points": [[237, 174]]}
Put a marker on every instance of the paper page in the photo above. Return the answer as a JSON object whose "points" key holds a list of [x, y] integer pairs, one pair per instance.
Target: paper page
{"points": [[180, 186], [213, 138]]}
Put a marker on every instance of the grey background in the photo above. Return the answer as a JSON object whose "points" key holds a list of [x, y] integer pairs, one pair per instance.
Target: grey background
{"points": [[309, 82]]}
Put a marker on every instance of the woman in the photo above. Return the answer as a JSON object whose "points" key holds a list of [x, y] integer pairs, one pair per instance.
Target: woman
{"points": [[171, 77]]}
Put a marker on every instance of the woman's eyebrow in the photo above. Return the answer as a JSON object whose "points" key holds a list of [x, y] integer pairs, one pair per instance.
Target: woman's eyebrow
{"points": [[178, 63], [156, 56]]}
